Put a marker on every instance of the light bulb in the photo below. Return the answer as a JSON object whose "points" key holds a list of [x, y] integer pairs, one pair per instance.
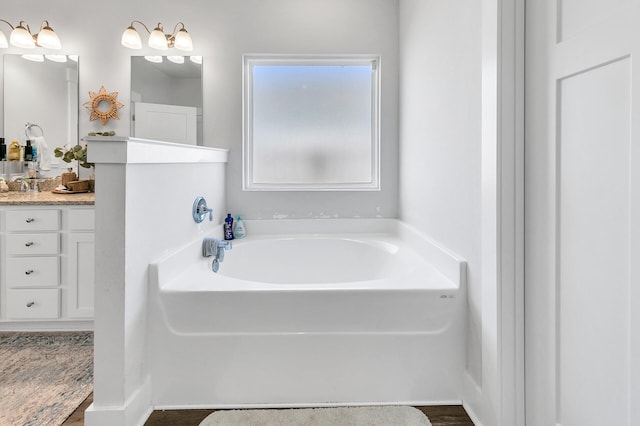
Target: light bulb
{"points": [[131, 38], [183, 41], [3, 41], [20, 37], [47, 38], [157, 39], [154, 59], [196, 59]]}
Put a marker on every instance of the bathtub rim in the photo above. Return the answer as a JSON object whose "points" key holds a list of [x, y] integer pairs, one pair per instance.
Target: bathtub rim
{"points": [[453, 267], [219, 283]]}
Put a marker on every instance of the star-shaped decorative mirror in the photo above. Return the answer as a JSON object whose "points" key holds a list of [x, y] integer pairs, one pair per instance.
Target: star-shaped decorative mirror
{"points": [[103, 105]]}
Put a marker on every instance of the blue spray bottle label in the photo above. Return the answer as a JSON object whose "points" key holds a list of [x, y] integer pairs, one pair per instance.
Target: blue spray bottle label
{"points": [[228, 227]]}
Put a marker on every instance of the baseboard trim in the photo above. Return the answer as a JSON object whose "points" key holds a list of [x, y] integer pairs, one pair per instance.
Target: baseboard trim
{"points": [[304, 405], [73, 325], [472, 415], [135, 411]]}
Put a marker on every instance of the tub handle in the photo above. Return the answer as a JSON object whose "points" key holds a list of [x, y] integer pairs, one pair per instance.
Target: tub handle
{"points": [[200, 210]]}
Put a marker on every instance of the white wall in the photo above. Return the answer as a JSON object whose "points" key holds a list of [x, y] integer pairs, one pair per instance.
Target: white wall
{"points": [[139, 219], [461, 139], [222, 31], [440, 101]]}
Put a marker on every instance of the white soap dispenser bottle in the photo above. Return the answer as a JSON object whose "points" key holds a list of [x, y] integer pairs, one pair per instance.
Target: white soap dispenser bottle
{"points": [[239, 231]]}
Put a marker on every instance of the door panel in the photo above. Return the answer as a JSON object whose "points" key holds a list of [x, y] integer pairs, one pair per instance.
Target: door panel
{"points": [[592, 284], [582, 220], [576, 16], [168, 123]]}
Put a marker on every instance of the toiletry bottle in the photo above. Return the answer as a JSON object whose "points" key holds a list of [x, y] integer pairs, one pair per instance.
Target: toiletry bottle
{"points": [[3, 150], [228, 227], [28, 151], [14, 151], [238, 230]]}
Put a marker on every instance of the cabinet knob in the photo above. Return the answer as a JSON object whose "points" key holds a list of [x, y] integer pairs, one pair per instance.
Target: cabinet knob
{"points": [[29, 220], [30, 304], [28, 243], [28, 271]]}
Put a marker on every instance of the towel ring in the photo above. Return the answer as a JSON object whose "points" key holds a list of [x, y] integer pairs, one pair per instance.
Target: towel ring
{"points": [[28, 127]]}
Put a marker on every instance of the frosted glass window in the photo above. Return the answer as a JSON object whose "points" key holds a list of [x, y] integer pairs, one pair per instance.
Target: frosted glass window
{"points": [[311, 124]]}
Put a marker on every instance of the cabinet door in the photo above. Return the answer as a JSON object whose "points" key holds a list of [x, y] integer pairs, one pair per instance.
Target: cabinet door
{"points": [[81, 275], [82, 219]]}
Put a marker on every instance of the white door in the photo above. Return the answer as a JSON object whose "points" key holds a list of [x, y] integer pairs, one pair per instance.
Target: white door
{"points": [[582, 224], [168, 123]]}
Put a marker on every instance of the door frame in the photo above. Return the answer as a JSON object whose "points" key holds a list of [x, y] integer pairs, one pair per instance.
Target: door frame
{"points": [[503, 212]]}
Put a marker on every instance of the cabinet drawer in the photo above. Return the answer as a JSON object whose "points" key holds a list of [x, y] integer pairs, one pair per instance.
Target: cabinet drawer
{"points": [[33, 220], [33, 304], [82, 219], [33, 243], [33, 271]]}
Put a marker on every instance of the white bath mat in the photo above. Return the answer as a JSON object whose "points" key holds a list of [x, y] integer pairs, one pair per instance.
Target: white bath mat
{"points": [[351, 416]]}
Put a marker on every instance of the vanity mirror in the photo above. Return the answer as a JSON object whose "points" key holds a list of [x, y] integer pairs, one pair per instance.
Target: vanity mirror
{"points": [[42, 91], [166, 98]]}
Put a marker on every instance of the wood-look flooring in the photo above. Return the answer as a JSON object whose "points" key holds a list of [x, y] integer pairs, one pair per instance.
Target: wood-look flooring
{"points": [[439, 415]]}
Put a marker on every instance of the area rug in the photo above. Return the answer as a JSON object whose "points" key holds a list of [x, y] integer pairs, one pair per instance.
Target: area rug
{"points": [[351, 416], [44, 377]]}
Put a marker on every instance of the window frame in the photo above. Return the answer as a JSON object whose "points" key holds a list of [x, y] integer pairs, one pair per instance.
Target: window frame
{"points": [[250, 61]]}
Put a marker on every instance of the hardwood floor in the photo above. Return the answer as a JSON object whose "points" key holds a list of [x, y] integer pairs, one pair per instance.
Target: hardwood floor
{"points": [[77, 417], [440, 415]]}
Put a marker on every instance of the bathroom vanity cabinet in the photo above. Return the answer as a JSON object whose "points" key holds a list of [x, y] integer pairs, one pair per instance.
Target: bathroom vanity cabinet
{"points": [[47, 266]]}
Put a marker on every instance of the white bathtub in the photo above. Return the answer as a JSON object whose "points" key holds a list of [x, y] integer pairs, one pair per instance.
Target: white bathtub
{"points": [[322, 261], [309, 313]]}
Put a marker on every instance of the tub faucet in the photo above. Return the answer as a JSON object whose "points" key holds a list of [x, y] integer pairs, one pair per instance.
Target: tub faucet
{"points": [[226, 245], [215, 247], [212, 246]]}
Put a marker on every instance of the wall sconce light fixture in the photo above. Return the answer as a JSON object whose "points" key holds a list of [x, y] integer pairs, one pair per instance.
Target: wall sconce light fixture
{"points": [[21, 36], [179, 38]]}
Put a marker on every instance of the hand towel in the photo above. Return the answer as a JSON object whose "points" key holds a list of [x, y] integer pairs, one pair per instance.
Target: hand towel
{"points": [[44, 153]]}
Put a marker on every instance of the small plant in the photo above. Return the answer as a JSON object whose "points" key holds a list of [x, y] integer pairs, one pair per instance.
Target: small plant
{"points": [[76, 152]]}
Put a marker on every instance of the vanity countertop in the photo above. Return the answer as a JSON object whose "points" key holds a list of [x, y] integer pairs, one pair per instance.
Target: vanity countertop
{"points": [[47, 198]]}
